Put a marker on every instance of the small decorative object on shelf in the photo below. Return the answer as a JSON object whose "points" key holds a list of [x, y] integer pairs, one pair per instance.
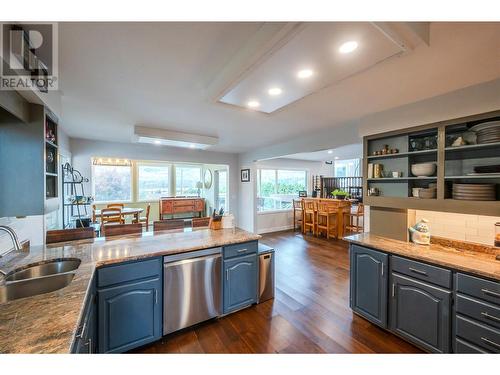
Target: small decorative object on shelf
{"points": [[373, 192], [420, 233], [423, 169], [378, 170]]}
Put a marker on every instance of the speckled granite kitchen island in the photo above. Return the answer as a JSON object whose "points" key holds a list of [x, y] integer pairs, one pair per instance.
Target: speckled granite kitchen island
{"points": [[47, 323]]}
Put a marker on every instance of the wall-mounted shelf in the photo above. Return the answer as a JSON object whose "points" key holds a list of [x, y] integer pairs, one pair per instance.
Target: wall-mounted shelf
{"points": [[431, 143]]}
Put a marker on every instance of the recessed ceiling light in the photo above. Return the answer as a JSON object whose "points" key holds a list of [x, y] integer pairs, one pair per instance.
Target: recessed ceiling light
{"points": [[157, 142], [330, 151], [336, 157], [253, 104], [275, 91], [192, 146], [348, 47], [305, 73]]}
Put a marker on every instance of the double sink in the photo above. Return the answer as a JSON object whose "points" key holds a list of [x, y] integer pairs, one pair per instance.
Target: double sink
{"points": [[38, 278]]}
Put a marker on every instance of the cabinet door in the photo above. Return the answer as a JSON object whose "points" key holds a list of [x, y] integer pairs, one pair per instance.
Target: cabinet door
{"points": [[240, 282], [369, 284], [129, 316], [421, 313]]}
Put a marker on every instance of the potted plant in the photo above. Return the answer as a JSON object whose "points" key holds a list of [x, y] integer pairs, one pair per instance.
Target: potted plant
{"points": [[339, 194]]}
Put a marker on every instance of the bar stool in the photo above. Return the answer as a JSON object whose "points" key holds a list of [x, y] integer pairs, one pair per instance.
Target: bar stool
{"points": [[353, 217], [309, 216], [327, 219], [298, 213]]}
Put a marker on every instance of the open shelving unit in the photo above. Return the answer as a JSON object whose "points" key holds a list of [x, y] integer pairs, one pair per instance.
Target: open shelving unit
{"points": [[51, 156], [455, 164]]}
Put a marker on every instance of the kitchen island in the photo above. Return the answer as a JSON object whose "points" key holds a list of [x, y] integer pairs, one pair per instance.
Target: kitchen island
{"points": [[50, 322]]}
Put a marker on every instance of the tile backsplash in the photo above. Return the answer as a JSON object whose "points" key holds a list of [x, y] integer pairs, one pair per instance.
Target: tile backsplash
{"points": [[462, 227], [27, 228]]}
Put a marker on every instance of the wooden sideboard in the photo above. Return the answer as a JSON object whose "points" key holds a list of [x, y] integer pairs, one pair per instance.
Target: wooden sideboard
{"points": [[173, 206]]}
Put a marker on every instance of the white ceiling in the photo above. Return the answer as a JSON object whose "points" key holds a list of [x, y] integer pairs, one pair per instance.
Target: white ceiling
{"points": [[353, 151], [117, 75]]}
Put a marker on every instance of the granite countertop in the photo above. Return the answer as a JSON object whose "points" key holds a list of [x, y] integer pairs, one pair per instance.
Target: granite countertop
{"points": [[47, 323], [466, 260]]}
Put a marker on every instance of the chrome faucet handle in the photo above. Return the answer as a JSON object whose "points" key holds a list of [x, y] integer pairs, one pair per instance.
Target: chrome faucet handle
{"points": [[13, 237]]}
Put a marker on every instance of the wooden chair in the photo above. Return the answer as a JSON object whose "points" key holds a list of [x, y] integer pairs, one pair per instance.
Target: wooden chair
{"points": [[121, 229], [168, 225], [326, 219], [112, 215], [298, 213], [64, 235], [94, 218], [310, 209], [145, 219], [111, 205], [352, 218], [198, 222]]}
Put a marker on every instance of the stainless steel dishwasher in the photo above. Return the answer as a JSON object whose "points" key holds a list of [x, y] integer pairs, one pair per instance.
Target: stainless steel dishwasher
{"points": [[191, 288]]}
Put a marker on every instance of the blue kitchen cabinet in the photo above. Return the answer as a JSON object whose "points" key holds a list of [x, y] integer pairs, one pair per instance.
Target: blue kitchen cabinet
{"points": [[240, 282], [129, 311]]}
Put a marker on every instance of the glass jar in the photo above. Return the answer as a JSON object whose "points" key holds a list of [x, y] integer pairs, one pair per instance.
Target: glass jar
{"points": [[497, 234]]}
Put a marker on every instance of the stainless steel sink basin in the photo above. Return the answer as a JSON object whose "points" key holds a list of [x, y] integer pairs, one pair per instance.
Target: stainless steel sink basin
{"points": [[37, 285], [44, 269]]}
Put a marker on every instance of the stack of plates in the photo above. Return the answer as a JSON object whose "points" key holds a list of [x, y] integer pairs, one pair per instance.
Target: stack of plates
{"points": [[487, 132], [474, 192]]}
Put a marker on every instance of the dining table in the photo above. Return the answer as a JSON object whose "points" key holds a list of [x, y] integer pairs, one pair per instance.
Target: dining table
{"points": [[135, 211], [343, 206]]}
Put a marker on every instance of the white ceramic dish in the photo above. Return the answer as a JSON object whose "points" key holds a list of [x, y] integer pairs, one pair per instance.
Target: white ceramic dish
{"points": [[423, 169]]}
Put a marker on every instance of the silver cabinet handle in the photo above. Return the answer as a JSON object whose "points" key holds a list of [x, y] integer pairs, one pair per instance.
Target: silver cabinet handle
{"points": [[492, 343], [156, 296], [80, 335], [418, 271], [491, 317], [490, 293], [227, 274], [241, 250], [393, 290], [382, 270], [89, 344]]}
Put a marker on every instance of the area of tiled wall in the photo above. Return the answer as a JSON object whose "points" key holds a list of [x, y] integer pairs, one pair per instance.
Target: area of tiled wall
{"points": [[27, 228], [471, 228]]}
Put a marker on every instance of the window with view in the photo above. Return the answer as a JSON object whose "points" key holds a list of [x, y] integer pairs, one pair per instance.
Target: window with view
{"points": [[152, 182], [186, 178], [278, 187], [112, 183], [347, 168]]}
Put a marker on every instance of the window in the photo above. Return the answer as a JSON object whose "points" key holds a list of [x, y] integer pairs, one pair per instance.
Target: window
{"points": [[152, 182], [347, 168], [186, 178], [221, 189], [112, 183], [278, 188]]}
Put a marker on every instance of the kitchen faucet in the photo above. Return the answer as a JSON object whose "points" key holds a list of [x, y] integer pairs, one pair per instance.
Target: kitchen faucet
{"points": [[15, 241]]}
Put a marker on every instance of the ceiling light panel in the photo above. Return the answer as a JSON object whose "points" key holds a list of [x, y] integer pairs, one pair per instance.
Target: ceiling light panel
{"points": [[163, 137], [309, 62]]}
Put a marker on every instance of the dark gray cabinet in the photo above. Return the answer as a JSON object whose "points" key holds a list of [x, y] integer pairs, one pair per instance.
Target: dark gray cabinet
{"points": [[86, 336], [369, 284], [240, 282], [421, 313], [129, 311]]}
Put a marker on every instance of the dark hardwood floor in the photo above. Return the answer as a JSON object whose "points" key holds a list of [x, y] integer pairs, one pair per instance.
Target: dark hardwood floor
{"points": [[309, 314]]}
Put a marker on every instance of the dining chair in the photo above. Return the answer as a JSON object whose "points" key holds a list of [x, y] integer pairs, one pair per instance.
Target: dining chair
{"points": [[144, 220], [168, 225], [112, 216], [198, 222], [121, 229], [63, 235], [111, 205], [298, 213], [352, 218], [310, 207], [94, 217], [326, 219]]}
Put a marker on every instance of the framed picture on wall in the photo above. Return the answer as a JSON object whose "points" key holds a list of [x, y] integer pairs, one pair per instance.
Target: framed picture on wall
{"points": [[302, 194], [245, 175]]}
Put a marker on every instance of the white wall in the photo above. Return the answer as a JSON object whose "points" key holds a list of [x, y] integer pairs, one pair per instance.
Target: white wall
{"points": [[28, 228], [83, 150]]}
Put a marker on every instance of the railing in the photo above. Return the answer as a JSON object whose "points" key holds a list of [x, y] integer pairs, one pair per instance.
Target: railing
{"points": [[351, 185]]}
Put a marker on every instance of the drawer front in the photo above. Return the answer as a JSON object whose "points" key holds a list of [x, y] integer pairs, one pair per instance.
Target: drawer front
{"points": [[422, 271], [478, 334], [464, 347], [166, 207], [179, 209], [198, 205], [474, 286], [128, 272], [481, 311], [182, 203], [240, 249]]}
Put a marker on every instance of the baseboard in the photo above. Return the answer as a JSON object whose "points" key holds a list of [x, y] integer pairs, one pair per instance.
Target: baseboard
{"points": [[275, 229]]}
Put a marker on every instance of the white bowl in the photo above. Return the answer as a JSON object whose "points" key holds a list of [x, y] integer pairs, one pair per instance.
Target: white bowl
{"points": [[423, 169]]}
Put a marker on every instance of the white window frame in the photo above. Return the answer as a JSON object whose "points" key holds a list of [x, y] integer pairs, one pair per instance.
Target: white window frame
{"points": [[138, 164], [174, 175], [132, 197], [283, 210]]}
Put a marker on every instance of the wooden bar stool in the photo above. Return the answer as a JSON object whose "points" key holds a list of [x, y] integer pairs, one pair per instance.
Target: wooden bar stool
{"points": [[352, 219], [298, 213], [326, 220], [309, 223]]}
